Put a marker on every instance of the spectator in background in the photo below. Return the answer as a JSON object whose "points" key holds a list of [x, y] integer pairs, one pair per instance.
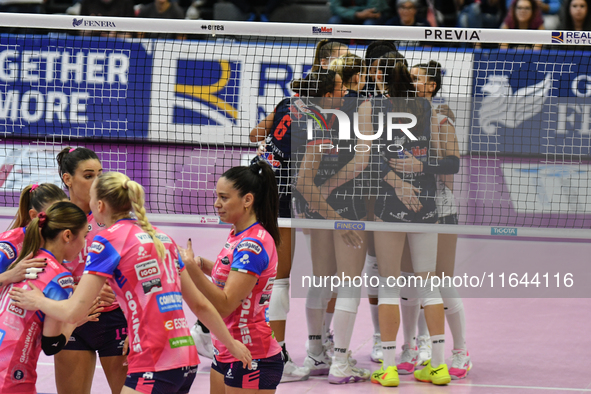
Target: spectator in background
{"points": [[481, 13], [162, 9], [574, 15], [248, 7], [357, 12], [550, 9], [407, 15], [123, 8], [523, 14]]}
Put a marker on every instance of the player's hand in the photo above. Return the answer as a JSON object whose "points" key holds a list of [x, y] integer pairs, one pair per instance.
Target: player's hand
{"points": [[262, 148], [351, 238], [27, 268], [125, 350], [241, 352], [93, 313], [107, 296], [25, 298], [408, 165], [409, 195], [444, 110], [187, 255]]}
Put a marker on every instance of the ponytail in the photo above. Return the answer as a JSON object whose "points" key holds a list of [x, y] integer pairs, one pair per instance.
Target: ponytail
{"points": [[259, 179], [36, 197]]}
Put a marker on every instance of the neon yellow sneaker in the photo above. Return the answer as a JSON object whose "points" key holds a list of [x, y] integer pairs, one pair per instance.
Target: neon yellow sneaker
{"points": [[438, 376], [387, 378]]}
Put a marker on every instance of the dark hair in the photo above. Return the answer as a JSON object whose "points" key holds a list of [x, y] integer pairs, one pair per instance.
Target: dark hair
{"points": [[324, 50], [566, 20], [433, 70], [60, 216], [347, 66], [315, 84], [377, 49], [36, 197], [389, 61], [69, 158], [513, 11], [259, 179]]}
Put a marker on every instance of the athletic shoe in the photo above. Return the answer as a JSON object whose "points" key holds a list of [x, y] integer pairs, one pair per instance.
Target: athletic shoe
{"points": [[387, 378], [460, 365], [329, 343], [317, 364], [424, 345], [340, 373], [377, 354], [293, 373], [202, 341], [438, 376], [408, 360]]}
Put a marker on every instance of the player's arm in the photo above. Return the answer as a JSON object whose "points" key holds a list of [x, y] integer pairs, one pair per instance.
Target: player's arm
{"points": [[260, 131], [27, 268]]}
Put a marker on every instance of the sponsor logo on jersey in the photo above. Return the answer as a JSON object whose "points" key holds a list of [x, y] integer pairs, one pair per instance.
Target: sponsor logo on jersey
{"points": [[20, 312], [141, 253], [89, 227], [115, 227], [265, 299], [66, 281], [229, 374], [225, 260], [170, 302], [96, 247], [244, 259], [181, 341], [7, 250], [147, 269], [227, 245], [148, 375], [175, 324], [18, 373], [144, 238], [152, 286], [164, 238], [134, 322], [250, 246]]}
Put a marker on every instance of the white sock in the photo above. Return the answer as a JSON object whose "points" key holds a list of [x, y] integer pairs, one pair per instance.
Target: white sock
{"points": [[314, 318], [343, 331], [389, 349], [423, 329], [328, 320], [457, 326], [438, 350], [375, 318]]}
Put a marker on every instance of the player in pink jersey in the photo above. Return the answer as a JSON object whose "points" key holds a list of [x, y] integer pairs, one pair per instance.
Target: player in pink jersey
{"points": [[34, 199], [78, 168], [149, 276], [24, 333], [243, 276]]}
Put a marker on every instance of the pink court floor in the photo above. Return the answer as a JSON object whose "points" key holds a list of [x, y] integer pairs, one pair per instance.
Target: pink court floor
{"points": [[518, 345]]}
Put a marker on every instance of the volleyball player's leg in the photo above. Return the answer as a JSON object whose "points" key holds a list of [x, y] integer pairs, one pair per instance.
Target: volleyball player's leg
{"points": [[114, 371], [74, 371], [216, 382], [323, 266], [350, 263], [454, 307], [409, 311], [127, 390], [371, 270]]}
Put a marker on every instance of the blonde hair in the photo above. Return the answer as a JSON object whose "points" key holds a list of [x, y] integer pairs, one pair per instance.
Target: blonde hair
{"points": [[347, 66], [324, 50], [124, 195]]}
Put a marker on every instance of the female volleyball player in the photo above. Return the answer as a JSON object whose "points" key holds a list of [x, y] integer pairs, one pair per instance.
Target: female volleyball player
{"points": [[242, 278], [61, 231], [427, 81], [326, 51], [34, 199], [410, 198], [78, 168], [145, 265]]}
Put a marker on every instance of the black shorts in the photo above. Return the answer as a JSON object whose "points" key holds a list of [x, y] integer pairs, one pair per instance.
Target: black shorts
{"points": [[449, 219], [177, 380], [347, 206], [105, 336], [265, 375], [285, 210], [389, 208]]}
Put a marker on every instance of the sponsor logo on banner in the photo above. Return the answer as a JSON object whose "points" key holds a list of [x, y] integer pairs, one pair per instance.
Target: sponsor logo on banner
{"points": [[96, 247], [349, 225], [181, 341], [557, 37], [571, 37], [503, 231], [7, 250], [89, 23], [322, 31], [147, 269], [170, 302], [144, 238], [20, 312], [67, 281], [452, 34], [250, 246], [152, 286]]}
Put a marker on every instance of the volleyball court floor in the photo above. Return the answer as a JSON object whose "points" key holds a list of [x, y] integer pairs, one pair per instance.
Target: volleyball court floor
{"points": [[519, 345]]}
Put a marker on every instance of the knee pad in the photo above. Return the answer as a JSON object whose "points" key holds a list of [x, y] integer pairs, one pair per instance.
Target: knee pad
{"points": [[318, 296], [429, 293], [388, 292], [348, 299], [371, 270], [408, 292], [423, 250], [279, 303], [451, 299]]}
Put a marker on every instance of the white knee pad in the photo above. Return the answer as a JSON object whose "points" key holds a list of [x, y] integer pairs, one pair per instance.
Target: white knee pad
{"points": [[408, 292], [318, 296], [429, 293], [388, 292], [279, 303], [348, 299], [423, 250], [371, 270], [451, 299]]}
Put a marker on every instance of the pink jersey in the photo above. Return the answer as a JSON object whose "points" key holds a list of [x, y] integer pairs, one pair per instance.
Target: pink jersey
{"points": [[20, 330], [149, 292], [252, 251], [11, 243]]}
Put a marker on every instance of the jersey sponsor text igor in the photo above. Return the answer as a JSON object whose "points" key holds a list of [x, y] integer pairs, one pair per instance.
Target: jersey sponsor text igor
{"points": [[147, 269], [170, 302]]}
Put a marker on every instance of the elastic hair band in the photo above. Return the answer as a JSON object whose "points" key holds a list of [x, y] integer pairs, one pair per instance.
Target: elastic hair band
{"points": [[125, 184], [33, 187], [71, 150], [42, 219]]}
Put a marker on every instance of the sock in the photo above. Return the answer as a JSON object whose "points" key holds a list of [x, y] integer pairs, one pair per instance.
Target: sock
{"points": [[205, 329], [423, 329], [410, 319], [314, 318], [438, 350], [389, 349], [343, 330], [457, 326], [328, 320], [375, 318]]}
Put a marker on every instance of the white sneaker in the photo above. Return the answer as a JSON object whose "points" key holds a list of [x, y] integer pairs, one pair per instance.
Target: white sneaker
{"points": [[408, 360], [341, 373], [202, 341], [377, 354], [460, 364], [317, 364], [329, 343], [293, 373], [424, 345]]}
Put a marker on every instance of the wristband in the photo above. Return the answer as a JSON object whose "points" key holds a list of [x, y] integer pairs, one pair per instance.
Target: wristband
{"points": [[446, 166]]}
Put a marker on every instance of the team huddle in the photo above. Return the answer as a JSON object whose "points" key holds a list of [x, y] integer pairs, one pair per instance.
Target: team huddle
{"points": [[86, 272]]}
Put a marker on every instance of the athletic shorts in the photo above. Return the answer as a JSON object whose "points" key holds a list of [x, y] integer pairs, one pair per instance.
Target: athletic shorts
{"points": [[389, 208], [285, 206], [449, 219], [350, 208], [105, 336], [265, 375], [177, 380]]}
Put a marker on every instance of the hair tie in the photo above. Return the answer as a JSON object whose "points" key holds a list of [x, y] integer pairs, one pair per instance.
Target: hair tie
{"points": [[42, 219], [33, 187], [125, 184], [72, 150], [256, 168]]}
